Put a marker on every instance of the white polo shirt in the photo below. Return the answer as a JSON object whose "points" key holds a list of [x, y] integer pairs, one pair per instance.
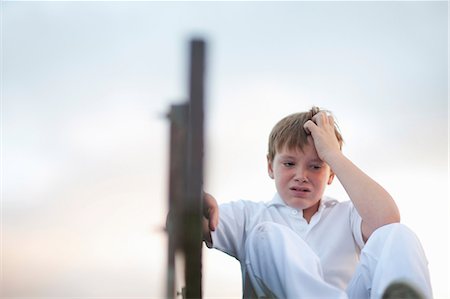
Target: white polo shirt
{"points": [[334, 232]]}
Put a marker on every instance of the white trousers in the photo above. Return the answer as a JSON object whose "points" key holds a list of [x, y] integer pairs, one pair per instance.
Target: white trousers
{"points": [[280, 264]]}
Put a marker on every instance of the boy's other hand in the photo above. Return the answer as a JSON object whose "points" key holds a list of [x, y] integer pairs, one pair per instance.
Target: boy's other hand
{"points": [[321, 128], [210, 211]]}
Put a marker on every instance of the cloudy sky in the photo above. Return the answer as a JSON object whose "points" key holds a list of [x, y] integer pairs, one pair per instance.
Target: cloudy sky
{"points": [[85, 87]]}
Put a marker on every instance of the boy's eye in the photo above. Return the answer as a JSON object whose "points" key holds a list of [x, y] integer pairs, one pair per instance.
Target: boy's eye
{"points": [[288, 164], [316, 166]]}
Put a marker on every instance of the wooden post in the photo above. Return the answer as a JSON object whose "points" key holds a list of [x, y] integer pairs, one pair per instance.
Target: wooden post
{"points": [[193, 209], [184, 223], [177, 188]]}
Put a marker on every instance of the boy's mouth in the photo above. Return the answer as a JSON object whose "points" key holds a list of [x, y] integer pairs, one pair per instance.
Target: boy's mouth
{"points": [[300, 189]]}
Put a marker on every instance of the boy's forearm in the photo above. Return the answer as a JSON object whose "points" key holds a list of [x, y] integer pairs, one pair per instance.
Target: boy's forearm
{"points": [[374, 204]]}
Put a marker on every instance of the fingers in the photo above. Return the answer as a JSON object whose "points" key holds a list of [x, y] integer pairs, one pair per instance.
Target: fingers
{"points": [[331, 120], [309, 127], [320, 120], [211, 211], [213, 220]]}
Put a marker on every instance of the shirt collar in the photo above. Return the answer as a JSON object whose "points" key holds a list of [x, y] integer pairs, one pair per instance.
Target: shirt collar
{"points": [[324, 203], [276, 201]]}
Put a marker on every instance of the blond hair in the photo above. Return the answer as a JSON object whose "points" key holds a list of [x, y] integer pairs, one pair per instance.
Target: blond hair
{"points": [[290, 132]]}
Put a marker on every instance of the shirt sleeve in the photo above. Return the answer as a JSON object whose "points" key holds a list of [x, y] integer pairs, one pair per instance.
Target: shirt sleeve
{"points": [[355, 222], [229, 235]]}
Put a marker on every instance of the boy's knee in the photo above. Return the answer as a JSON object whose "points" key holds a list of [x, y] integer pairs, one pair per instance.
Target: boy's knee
{"points": [[394, 230], [395, 235]]}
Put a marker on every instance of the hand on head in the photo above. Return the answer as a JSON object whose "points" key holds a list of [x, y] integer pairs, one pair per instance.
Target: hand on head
{"points": [[322, 130]]}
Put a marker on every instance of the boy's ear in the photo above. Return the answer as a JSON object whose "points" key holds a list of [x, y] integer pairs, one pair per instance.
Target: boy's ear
{"points": [[331, 177], [269, 167]]}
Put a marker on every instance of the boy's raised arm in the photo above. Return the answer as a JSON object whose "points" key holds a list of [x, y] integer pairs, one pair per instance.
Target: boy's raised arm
{"points": [[211, 217], [372, 201]]}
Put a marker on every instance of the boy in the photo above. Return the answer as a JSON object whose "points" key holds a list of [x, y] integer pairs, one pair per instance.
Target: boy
{"points": [[303, 244]]}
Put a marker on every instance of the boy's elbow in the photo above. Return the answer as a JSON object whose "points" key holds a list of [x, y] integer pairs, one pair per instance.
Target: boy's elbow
{"points": [[395, 213], [392, 214], [393, 217], [396, 218]]}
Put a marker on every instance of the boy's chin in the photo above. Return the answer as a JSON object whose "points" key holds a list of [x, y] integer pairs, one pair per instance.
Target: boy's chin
{"points": [[301, 203]]}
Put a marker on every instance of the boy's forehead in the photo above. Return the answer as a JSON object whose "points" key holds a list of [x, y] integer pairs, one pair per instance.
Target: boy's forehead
{"points": [[297, 151], [296, 145]]}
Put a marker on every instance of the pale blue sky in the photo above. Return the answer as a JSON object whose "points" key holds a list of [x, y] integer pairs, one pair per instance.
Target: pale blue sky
{"points": [[85, 86]]}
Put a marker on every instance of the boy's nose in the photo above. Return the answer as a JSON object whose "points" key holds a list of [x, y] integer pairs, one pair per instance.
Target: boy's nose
{"points": [[301, 175]]}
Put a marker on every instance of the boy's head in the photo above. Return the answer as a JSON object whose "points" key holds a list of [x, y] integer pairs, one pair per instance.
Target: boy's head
{"points": [[289, 132], [300, 175]]}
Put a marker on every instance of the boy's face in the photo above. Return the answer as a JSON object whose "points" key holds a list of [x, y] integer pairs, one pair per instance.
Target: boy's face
{"points": [[300, 176]]}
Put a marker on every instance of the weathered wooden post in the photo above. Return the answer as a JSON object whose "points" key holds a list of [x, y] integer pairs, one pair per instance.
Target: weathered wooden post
{"points": [[194, 206], [186, 180], [177, 188]]}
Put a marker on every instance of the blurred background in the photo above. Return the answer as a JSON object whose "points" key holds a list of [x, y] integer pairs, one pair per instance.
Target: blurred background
{"points": [[85, 87]]}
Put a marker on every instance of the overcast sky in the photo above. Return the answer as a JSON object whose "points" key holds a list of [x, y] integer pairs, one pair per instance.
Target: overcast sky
{"points": [[86, 85]]}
